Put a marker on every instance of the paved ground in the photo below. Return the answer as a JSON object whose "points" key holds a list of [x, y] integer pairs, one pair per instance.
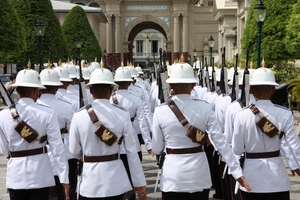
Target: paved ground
{"points": [[150, 169]]}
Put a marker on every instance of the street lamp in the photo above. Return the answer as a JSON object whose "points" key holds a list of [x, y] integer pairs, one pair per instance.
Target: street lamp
{"points": [[195, 54], [104, 54], [211, 43], [259, 15], [40, 29]]}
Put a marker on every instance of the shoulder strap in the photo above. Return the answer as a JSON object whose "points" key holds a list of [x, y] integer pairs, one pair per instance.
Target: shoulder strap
{"points": [[114, 98], [91, 113], [181, 118], [13, 111], [254, 109]]}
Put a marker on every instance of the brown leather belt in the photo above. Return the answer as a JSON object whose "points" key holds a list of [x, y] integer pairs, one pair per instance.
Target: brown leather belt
{"points": [[31, 152], [101, 158], [185, 151], [262, 155]]}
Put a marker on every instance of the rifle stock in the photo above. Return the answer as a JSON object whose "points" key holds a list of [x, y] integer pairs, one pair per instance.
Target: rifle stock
{"points": [[207, 76]]}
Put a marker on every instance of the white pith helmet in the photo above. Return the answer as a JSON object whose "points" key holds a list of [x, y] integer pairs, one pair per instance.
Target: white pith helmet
{"points": [[122, 74], [50, 77], [263, 76], [63, 74], [73, 72], [101, 76], [86, 73], [28, 78], [132, 71], [139, 70], [182, 73]]}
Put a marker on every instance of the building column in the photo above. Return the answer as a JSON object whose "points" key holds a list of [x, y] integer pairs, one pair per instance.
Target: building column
{"points": [[176, 37], [185, 35], [108, 41], [117, 42]]}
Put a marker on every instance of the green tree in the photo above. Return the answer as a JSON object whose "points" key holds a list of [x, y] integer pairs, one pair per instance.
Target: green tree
{"points": [[273, 49], [77, 25], [292, 32], [32, 10], [11, 34]]}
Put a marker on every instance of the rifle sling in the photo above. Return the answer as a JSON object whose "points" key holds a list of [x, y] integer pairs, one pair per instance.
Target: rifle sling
{"points": [[181, 118]]}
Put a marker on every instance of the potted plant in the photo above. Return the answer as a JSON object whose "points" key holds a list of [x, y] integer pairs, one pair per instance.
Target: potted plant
{"points": [[294, 88]]}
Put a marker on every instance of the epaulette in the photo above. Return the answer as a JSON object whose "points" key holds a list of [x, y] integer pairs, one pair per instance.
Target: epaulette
{"points": [[64, 101], [283, 107], [201, 100], [82, 108], [44, 105], [118, 106]]}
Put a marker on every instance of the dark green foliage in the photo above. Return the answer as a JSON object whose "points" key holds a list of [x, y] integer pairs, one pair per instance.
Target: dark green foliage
{"points": [[32, 10], [273, 49], [292, 40], [11, 34], [77, 25]]}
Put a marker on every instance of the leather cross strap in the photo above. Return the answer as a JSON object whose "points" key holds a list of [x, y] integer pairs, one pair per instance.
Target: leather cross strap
{"points": [[184, 151], [262, 155], [100, 158], [181, 118], [31, 152], [114, 98], [92, 113], [14, 112]]}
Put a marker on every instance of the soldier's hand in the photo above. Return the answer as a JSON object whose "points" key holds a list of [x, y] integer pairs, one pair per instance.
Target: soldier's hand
{"points": [[243, 182], [151, 152], [66, 190], [141, 192], [296, 171]]}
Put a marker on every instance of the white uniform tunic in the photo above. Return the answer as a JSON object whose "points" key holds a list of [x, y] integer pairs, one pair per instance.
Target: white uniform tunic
{"points": [[104, 179], [73, 89], [133, 105], [32, 172], [188, 172], [64, 113], [64, 95], [268, 174]]}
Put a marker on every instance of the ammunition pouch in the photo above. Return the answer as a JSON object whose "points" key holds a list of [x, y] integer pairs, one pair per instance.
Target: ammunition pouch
{"points": [[193, 133], [265, 125], [25, 131], [102, 132]]}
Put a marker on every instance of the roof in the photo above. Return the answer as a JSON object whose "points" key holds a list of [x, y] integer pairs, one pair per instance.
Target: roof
{"points": [[63, 7]]}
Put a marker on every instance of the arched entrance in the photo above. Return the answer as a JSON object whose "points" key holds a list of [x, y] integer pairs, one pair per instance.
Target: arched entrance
{"points": [[140, 24]]}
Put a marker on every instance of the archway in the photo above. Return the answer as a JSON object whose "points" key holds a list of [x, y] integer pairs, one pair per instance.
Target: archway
{"points": [[140, 24]]}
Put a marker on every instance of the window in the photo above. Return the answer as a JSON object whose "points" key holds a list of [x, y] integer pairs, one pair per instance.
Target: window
{"points": [[154, 46], [139, 47]]}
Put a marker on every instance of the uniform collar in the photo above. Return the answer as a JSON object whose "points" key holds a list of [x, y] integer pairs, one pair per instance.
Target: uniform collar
{"points": [[102, 101], [264, 103], [182, 97], [25, 101], [48, 96]]}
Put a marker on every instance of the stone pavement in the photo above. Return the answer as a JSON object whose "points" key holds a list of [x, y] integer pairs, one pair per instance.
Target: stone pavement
{"points": [[150, 170]]}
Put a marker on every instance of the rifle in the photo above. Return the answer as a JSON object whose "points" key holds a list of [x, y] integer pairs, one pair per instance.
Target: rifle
{"points": [[5, 95], [207, 76], [213, 77], [235, 82], [159, 81], [245, 95], [160, 164]]}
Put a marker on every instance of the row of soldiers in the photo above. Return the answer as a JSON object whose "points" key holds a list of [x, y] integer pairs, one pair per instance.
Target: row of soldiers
{"points": [[103, 135]]}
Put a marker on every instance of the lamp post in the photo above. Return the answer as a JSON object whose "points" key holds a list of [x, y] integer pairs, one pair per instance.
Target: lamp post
{"points": [[40, 29], [104, 54], [195, 54], [259, 15]]}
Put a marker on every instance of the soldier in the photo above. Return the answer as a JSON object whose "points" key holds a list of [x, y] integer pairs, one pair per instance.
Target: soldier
{"points": [[259, 131], [50, 79], [133, 105], [25, 129], [96, 132], [185, 172]]}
